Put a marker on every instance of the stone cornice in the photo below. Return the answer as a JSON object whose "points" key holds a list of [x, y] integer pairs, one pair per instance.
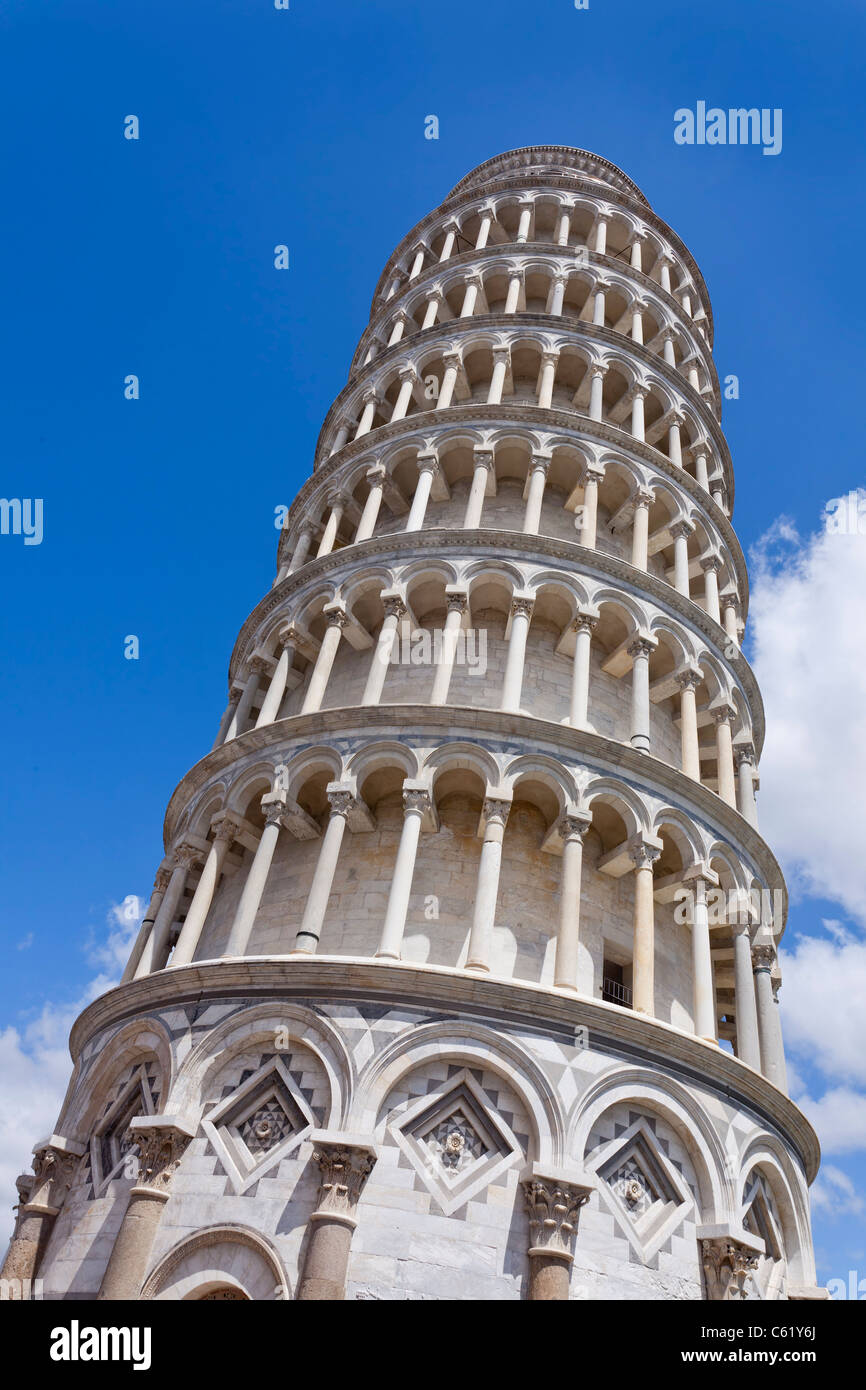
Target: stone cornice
{"points": [[617, 344], [497, 166], [465, 259], [556, 184], [453, 722], [499, 542], [623, 1033]]}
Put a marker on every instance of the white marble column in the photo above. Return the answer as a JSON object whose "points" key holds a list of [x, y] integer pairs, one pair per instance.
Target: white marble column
{"points": [[601, 236], [669, 352], [495, 815], [332, 526], [484, 228], [474, 290], [273, 808], [512, 298], [401, 322], [538, 466], [501, 357], [591, 479], [598, 303], [370, 515], [524, 226], [451, 363], [161, 882], [573, 829], [451, 230], [665, 264], [584, 626], [640, 650], [681, 532], [512, 685], [745, 756], [155, 953], [769, 1027], [417, 804], [748, 1045], [301, 550], [307, 939], [640, 528], [564, 227], [643, 961], [723, 714], [730, 604], [395, 612], [546, 379], [688, 682], [279, 680], [238, 724], [675, 448], [190, 933], [557, 297], [408, 383], [711, 566], [638, 395], [483, 463], [431, 312], [371, 399], [701, 472], [703, 994], [637, 311], [596, 390], [427, 467], [336, 619], [457, 604], [636, 251]]}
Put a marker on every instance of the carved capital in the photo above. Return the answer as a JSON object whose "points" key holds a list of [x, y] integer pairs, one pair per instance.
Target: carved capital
{"points": [[641, 646], [53, 1170], [456, 603], [188, 855], [574, 827], [495, 810], [689, 679], [584, 622], [763, 957], [643, 856], [728, 1265], [554, 1209], [341, 803], [414, 799], [522, 607], [161, 880], [394, 606], [344, 1170], [161, 1147]]}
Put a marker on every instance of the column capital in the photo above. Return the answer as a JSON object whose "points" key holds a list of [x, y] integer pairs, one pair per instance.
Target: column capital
{"points": [[427, 461], [643, 852], [728, 1264], [226, 826], [162, 878], [689, 677], [722, 713], [394, 605], [745, 753], [482, 457], [593, 473], [682, 529], [711, 562], [336, 615], [257, 665], [188, 855], [495, 809], [540, 463], [408, 373], [418, 801], [376, 473], [763, 957], [501, 352], [553, 1202], [344, 1166], [522, 606], [599, 369], [642, 645], [453, 358], [574, 825], [550, 357], [456, 602], [643, 497], [584, 622], [54, 1165], [162, 1141]]}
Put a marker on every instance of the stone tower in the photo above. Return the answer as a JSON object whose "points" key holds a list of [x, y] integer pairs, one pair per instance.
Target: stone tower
{"points": [[459, 974]]}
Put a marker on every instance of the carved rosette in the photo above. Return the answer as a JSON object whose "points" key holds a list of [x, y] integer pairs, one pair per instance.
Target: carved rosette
{"points": [[728, 1266], [554, 1209], [344, 1169]]}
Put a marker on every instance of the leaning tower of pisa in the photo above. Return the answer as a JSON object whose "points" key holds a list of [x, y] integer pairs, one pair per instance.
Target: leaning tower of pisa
{"points": [[459, 975]]}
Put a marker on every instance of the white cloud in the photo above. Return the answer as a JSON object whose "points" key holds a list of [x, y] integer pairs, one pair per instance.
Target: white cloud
{"points": [[823, 989], [836, 1193], [34, 1057], [839, 1118], [807, 620]]}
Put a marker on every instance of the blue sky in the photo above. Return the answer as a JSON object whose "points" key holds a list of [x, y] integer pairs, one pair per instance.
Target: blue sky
{"points": [[155, 257]]}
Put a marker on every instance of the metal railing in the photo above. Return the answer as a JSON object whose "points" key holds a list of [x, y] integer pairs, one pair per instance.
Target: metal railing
{"points": [[612, 992]]}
